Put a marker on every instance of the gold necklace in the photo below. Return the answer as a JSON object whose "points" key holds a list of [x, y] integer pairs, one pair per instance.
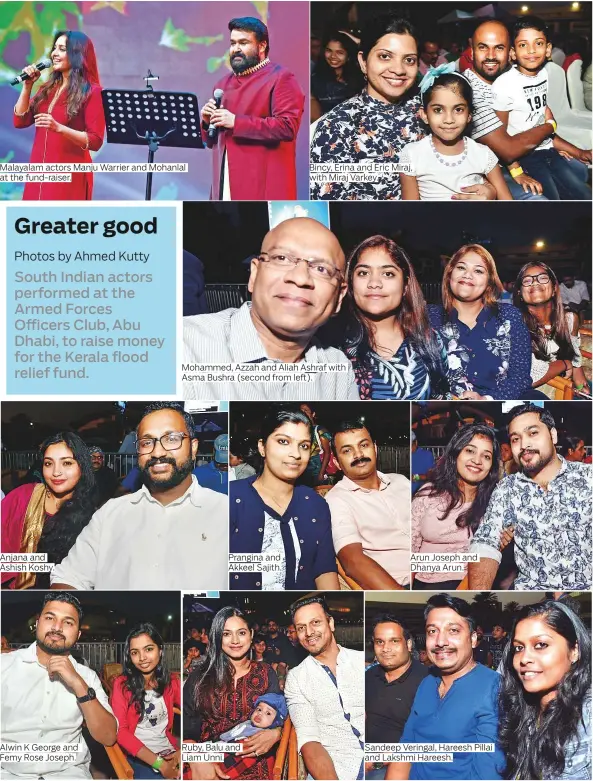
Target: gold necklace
{"points": [[49, 495], [55, 99], [267, 494]]}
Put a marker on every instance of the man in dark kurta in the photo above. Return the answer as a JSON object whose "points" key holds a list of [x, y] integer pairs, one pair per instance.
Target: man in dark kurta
{"points": [[254, 153]]}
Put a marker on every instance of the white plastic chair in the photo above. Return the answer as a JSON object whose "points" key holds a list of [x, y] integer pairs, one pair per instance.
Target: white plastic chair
{"points": [[572, 126], [575, 88], [313, 128]]}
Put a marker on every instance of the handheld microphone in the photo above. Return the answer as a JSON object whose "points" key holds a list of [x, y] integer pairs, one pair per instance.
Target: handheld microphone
{"points": [[41, 65], [213, 131]]}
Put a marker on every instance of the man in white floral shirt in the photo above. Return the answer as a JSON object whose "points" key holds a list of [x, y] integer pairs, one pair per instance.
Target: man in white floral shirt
{"points": [[548, 506]]}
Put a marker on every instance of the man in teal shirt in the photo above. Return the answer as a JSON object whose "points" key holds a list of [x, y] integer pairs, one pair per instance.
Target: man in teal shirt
{"points": [[456, 702]]}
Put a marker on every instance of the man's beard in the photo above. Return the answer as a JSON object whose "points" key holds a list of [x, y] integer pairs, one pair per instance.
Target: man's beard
{"points": [[489, 77], [178, 474], [54, 650], [535, 467], [239, 66]]}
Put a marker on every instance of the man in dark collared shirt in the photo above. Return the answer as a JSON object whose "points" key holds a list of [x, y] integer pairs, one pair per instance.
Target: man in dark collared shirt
{"points": [[390, 685]]}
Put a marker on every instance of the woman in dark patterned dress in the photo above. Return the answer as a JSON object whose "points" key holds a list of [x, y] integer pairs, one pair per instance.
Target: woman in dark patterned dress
{"points": [[394, 351], [487, 343], [221, 692], [375, 125]]}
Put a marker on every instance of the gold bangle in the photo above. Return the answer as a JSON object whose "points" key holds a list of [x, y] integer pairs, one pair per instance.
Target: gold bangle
{"points": [[86, 146], [553, 123], [24, 114], [515, 172]]}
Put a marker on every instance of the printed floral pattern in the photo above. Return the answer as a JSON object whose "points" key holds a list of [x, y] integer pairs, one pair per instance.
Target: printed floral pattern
{"points": [[552, 528], [364, 129], [493, 358]]}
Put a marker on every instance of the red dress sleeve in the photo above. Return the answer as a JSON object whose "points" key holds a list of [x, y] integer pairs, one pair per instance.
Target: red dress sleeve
{"points": [[14, 509], [94, 119], [125, 712], [26, 120], [287, 105]]}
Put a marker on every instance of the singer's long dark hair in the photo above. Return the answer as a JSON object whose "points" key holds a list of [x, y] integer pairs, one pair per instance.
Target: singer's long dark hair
{"points": [[84, 73], [443, 479], [135, 682], [534, 741]]}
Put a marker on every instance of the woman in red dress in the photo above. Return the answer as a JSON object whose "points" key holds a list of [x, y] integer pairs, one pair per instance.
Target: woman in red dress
{"points": [[68, 116], [221, 692]]}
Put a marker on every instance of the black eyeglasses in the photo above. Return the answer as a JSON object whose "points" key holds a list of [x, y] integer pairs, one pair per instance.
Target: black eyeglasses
{"points": [[171, 441], [529, 280]]}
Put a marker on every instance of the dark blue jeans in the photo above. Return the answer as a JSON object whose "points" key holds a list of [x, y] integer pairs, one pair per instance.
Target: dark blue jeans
{"points": [[141, 769], [556, 175]]}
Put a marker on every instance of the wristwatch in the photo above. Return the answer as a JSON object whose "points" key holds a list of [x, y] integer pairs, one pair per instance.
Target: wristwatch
{"points": [[90, 695]]}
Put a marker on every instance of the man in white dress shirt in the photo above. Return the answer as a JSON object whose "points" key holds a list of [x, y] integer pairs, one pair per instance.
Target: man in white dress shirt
{"points": [[325, 696], [297, 283], [370, 513], [171, 534], [47, 694]]}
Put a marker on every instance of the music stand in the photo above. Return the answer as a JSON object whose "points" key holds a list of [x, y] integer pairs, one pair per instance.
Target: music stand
{"points": [[153, 119]]}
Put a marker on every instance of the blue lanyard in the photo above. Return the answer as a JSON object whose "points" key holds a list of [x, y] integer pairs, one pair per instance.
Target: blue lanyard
{"points": [[347, 717]]}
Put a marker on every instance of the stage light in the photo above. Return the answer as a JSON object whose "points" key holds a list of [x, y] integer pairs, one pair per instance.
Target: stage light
{"points": [[524, 8], [540, 244], [575, 6]]}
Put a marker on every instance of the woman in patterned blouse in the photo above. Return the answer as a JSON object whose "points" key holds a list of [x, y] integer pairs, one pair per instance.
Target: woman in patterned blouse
{"points": [[488, 344], [375, 125], [394, 351], [545, 697], [555, 340], [222, 690]]}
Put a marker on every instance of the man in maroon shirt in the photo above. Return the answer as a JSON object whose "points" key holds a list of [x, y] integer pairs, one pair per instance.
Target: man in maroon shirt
{"points": [[258, 121]]}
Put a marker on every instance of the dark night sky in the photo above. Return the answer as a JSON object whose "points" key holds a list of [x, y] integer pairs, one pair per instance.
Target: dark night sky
{"points": [[133, 606], [571, 417], [272, 605], [223, 235]]}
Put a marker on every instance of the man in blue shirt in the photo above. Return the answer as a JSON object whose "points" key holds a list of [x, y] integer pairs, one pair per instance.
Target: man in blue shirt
{"points": [[456, 702], [422, 463], [215, 475]]}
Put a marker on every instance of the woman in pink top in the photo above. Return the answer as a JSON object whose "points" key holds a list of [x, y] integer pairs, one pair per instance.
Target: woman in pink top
{"points": [[449, 508]]}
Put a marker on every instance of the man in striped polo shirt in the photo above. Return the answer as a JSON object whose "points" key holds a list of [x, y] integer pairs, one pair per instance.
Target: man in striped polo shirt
{"points": [[490, 54]]}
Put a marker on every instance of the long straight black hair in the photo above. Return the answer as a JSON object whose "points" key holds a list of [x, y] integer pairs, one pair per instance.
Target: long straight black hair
{"points": [[135, 682], [215, 671], [412, 315], [61, 530], [444, 479], [560, 331], [534, 742]]}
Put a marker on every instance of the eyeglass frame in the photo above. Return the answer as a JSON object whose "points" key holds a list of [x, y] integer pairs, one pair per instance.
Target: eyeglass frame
{"points": [[535, 278], [339, 275], [158, 439]]}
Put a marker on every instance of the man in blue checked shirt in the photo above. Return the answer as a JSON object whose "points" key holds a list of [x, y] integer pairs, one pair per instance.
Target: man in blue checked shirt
{"points": [[456, 702]]}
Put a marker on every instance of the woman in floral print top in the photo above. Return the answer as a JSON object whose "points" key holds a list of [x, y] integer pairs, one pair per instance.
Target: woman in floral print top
{"points": [[374, 126], [395, 353], [488, 345]]}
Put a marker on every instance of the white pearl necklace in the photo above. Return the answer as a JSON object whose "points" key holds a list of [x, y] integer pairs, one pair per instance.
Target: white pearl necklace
{"points": [[459, 159]]}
